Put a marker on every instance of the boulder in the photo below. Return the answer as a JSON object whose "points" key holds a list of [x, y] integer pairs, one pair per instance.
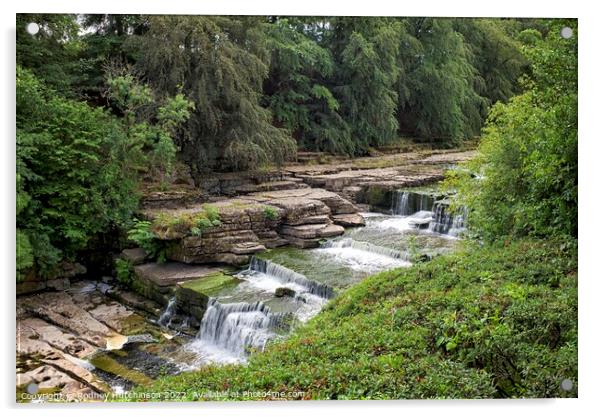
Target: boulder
{"points": [[284, 292], [136, 256]]}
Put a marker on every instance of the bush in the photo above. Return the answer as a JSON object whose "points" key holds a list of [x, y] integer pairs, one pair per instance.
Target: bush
{"points": [[125, 271], [143, 236], [526, 180], [270, 213], [71, 180]]}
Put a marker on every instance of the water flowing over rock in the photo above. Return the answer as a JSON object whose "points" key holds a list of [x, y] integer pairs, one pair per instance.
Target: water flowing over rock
{"points": [[366, 247], [237, 326], [446, 222], [170, 311], [406, 203], [286, 275]]}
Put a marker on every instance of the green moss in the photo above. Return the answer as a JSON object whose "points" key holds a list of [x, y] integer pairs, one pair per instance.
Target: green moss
{"points": [[106, 363], [211, 284], [486, 322], [137, 324], [195, 223]]}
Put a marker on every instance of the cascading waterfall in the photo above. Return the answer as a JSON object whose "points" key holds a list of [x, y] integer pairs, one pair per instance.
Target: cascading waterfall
{"points": [[286, 276], [406, 203], [238, 326], [362, 256], [366, 247], [401, 205], [445, 222], [170, 311]]}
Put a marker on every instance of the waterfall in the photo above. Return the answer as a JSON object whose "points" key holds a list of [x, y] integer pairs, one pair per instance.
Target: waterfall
{"points": [[366, 247], [446, 222], [406, 203], [401, 205], [285, 275], [459, 223], [237, 326], [362, 256], [170, 311]]}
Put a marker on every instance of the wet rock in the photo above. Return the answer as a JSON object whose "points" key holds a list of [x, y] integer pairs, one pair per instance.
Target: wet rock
{"points": [[141, 338], [170, 273], [112, 314], [191, 302], [60, 310], [312, 231], [157, 281], [135, 301], [284, 292]]}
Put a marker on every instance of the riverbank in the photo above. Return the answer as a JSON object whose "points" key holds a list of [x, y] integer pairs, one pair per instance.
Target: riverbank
{"points": [[486, 322]]}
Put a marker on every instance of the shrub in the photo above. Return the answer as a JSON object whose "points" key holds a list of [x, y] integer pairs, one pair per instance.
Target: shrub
{"points": [[72, 182], [143, 236], [124, 270], [526, 173], [270, 213]]}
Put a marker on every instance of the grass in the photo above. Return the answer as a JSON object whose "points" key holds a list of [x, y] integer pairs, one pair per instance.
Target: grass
{"points": [[486, 322]]}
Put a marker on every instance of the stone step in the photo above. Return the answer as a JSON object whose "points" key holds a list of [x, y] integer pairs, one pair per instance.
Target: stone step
{"points": [[312, 231], [270, 186], [170, 273]]}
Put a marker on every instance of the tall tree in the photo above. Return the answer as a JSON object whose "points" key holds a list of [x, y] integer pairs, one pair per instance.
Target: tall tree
{"points": [[495, 54], [220, 63], [52, 54], [296, 89], [438, 99], [366, 53]]}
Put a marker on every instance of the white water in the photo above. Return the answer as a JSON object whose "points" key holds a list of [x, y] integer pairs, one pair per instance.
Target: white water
{"points": [[229, 330], [290, 278], [168, 313], [404, 223], [363, 256]]}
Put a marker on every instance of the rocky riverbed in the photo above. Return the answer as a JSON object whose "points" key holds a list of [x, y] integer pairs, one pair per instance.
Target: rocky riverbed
{"points": [[78, 337]]}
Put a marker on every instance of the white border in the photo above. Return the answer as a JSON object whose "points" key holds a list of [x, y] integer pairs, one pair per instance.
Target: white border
{"points": [[590, 154]]}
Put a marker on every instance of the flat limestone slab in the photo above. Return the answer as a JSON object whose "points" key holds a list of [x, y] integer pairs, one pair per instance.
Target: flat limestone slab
{"points": [[170, 273]]}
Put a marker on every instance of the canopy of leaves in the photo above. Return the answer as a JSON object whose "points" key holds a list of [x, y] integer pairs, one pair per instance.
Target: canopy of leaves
{"points": [[526, 180], [220, 63], [78, 167], [366, 51], [438, 98]]}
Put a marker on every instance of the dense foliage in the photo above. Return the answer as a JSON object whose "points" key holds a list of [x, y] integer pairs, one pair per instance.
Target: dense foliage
{"points": [[498, 321], [263, 86], [78, 166], [526, 180]]}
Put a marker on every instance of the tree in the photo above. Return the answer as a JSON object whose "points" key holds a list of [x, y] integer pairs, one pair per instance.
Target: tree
{"points": [[296, 89], [437, 95], [220, 63], [366, 53], [527, 169], [52, 53], [78, 167], [495, 54]]}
